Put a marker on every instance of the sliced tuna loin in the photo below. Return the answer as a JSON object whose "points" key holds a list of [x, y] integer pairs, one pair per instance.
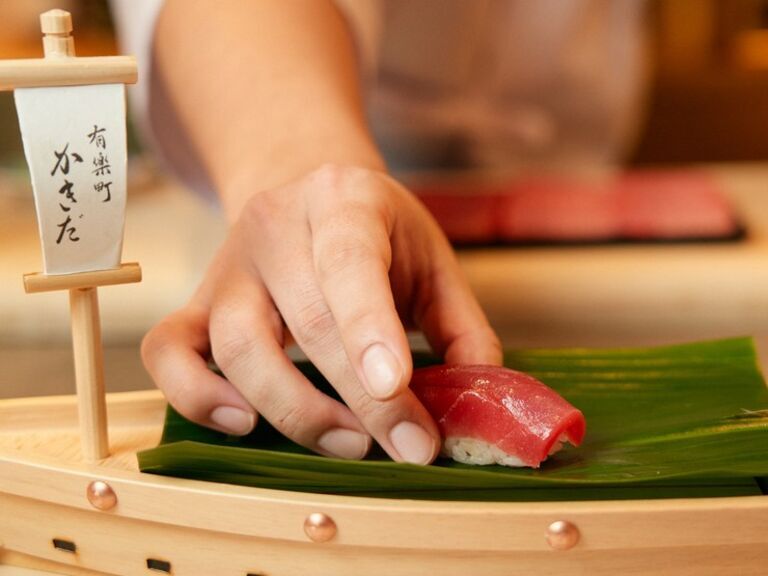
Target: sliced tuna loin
{"points": [[465, 218], [494, 415], [549, 209], [673, 205], [635, 206]]}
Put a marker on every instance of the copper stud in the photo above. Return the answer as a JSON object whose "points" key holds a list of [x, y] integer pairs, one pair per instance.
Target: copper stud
{"points": [[562, 535], [101, 496], [319, 527]]}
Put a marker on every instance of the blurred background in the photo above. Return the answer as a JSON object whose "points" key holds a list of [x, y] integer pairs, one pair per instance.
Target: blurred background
{"points": [[706, 106]]}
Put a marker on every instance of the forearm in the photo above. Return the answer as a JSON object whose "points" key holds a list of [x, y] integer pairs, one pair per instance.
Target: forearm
{"points": [[267, 90]]}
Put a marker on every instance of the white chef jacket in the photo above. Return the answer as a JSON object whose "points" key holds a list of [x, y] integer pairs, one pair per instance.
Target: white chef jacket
{"points": [[488, 83]]}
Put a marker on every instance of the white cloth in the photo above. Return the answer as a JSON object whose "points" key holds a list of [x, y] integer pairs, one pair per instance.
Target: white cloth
{"points": [[135, 21], [506, 83]]}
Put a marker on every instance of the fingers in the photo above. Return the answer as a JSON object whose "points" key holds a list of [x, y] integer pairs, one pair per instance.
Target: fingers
{"points": [[452, 319], [352, 254], [246, 333], [173, 353], [401, 425]]}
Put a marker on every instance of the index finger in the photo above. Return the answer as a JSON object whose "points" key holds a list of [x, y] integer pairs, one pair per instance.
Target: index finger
{"points": [[352, 257]]}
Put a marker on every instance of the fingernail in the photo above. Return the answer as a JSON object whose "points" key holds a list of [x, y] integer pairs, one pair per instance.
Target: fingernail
{"points": [[412, 442], [344, 443], [233, 420], [382, 371]]}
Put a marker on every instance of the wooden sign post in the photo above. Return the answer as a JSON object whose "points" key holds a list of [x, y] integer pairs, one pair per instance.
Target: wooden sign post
{"points": [[87, 345], [68, 254]]}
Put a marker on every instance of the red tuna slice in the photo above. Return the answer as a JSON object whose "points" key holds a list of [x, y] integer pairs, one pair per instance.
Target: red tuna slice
{"points": [[553, 209], [508, 409], [657, 204], [464, 217]]}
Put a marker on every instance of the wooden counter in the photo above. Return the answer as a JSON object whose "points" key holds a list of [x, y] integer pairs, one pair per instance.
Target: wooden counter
{"points": [[618, 295]]}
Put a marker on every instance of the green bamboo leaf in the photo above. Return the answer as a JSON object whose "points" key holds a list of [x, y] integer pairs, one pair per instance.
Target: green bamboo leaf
{"points": [[688, 420]]}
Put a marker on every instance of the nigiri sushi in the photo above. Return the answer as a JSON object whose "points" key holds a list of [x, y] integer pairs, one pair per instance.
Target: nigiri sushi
{"points": [[494, 415]]}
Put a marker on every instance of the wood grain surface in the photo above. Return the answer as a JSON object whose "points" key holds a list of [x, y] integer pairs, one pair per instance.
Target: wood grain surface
{"points": [[204, 528]]}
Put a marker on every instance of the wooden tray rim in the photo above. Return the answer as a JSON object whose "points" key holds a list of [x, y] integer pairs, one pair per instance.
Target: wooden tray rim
{"points": [[362, 521]]}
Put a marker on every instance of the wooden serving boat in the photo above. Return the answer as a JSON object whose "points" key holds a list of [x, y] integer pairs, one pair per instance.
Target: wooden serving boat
{"points": [[65, 509], [53, 519]]}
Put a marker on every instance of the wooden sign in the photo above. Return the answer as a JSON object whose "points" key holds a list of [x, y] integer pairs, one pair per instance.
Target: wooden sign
{"points": [[72, 119]]}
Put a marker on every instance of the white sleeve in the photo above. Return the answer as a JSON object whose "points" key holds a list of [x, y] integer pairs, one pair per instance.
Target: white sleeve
{"points": [[153, 115], [135, 23]]}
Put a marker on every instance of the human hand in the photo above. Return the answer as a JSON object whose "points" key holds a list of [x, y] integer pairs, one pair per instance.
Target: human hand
{"points": [[345, 257]]}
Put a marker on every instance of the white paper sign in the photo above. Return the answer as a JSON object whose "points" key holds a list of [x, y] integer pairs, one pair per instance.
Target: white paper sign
{"points": [[74, 140]]}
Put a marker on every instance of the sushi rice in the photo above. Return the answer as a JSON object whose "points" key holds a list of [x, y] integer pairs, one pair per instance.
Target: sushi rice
{"points": [[481, 453]]}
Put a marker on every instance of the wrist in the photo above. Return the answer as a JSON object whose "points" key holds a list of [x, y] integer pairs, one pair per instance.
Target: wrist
{"points": [[236, 190]]}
